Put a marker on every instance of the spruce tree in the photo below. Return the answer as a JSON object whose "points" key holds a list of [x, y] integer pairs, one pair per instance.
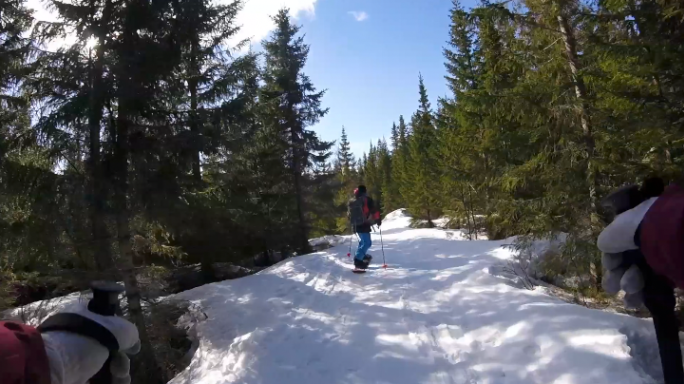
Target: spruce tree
{"points": [[387, 187], [372, 178], [291, 103], [347, 177], [460, 165], [400, 159], [395, 136], [421, 170], [324, 187], [362, 166], [345, 159], [208, 73]]}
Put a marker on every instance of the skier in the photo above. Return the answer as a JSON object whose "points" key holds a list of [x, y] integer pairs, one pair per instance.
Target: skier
{"points": [[644, 256], [30, 355], [362, 215]]}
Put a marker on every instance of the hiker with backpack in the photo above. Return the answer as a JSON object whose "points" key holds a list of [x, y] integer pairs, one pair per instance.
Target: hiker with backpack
{"points": [[363, 214], [643, 256]]}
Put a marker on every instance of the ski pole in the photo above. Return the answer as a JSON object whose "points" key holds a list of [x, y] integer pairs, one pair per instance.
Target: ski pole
{"points": [[382, 245], [351, 239]]}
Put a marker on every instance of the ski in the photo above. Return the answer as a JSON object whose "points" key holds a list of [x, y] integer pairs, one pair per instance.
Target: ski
{"points": [[356, 270]]}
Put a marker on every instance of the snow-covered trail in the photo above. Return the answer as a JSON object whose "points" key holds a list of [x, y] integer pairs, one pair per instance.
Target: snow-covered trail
{"points": [[440, 314]]}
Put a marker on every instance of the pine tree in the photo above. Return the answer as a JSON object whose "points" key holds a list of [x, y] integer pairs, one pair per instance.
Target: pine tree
{"points": [[387, 188], [390, 185], [362, 166], [395, 137], [421, 170], [635, 47], [372, 178], [325, 186], [291, 103], [14, 52], [22, 172], [459, 152], [400, 159], [347, 181], [345, 159], [208, 72]]}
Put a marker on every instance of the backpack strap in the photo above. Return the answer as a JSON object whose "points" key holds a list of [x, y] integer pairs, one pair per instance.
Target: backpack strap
{"points": [[80, 325]]}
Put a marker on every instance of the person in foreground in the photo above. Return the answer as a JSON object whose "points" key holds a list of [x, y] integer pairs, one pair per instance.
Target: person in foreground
{"points": [[643, 255], [363, 214], [30, 355]]}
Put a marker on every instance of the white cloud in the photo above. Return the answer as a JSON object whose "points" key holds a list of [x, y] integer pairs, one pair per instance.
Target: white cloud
{"points": [[255, 17], [359, 15]]}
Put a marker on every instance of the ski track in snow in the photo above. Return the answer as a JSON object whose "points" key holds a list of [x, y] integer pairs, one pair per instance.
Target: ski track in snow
{"points": [[437, 315]]}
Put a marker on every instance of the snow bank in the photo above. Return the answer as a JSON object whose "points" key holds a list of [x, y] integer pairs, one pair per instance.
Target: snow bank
{"points": [[36, 312], [396, 220], [325, 242], [439, 314], [441, 222]]}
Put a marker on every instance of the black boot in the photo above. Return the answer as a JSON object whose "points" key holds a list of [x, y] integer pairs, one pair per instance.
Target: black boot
{"points": [[366, 260]]}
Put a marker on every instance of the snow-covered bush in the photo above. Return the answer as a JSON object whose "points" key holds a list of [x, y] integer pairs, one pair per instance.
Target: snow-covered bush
{"points": [[170, 342], [325, 242], [539, 259], [559, 260]]}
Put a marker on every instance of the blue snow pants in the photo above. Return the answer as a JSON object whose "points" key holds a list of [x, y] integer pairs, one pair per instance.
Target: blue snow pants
{"points": [[365, 243]]}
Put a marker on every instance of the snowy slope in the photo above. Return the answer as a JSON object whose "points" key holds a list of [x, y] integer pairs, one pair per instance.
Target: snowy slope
{"points": [[440, 314]]}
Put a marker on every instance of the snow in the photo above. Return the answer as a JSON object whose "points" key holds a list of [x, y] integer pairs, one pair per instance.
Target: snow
{"points": [[441, 222], [441, 313], [34, 313], [328, 241]]}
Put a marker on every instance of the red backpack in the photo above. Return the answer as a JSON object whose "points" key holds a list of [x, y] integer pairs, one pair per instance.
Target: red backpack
{"points": [[662, 235], [22, 356]]}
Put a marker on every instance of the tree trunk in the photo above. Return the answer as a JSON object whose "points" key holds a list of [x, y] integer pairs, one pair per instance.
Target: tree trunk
{"points": [[464, 199], [472, 214], [195, 147], [591, 175], [302, 235], [151, 372], [581, 93], [121, 153], [303, 238], [101, 239], [194, 118]]}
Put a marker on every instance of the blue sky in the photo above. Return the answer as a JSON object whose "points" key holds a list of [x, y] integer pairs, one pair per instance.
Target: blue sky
{"points": [[370, 65]]}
